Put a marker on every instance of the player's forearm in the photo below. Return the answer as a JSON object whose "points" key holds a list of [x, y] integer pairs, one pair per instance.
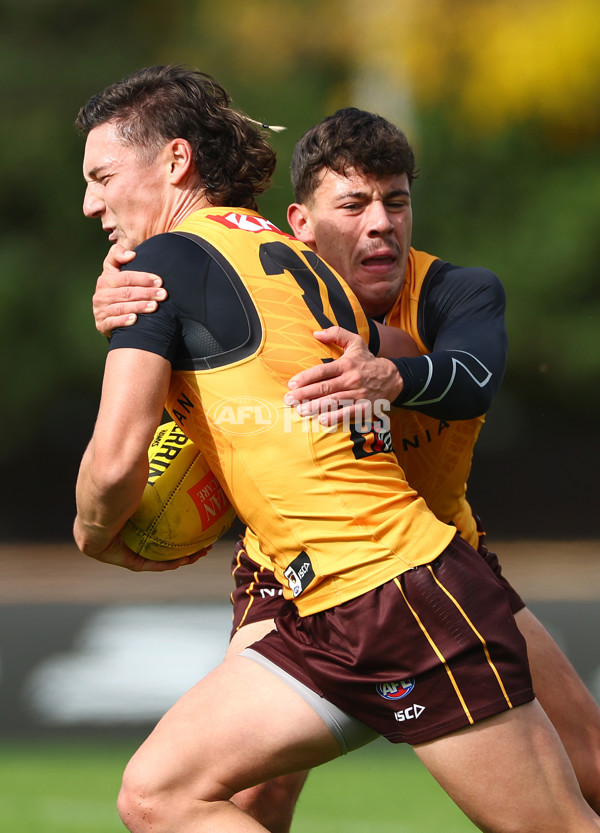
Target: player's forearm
{"points": [[106, 496], [451, 384], [114, 468], [464, 330]]}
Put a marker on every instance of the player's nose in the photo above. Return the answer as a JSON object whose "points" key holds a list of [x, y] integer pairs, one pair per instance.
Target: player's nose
{"points": [[378, 218], [93, 206]]}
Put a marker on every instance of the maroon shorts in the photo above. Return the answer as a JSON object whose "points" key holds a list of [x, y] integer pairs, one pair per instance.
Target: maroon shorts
{"points": [[258, 595], [432, 651], [515, 601]]}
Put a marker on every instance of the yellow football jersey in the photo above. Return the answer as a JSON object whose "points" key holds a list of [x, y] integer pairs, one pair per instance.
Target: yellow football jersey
{"points": [[436, 455], [332, 508]]}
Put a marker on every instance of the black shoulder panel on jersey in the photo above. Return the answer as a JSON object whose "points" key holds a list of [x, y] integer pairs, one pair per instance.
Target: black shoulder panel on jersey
{"points": [[251, 344], [207, 319]]}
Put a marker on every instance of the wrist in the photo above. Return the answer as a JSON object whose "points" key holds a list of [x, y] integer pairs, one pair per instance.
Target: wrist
{"points": [[394, 383]]}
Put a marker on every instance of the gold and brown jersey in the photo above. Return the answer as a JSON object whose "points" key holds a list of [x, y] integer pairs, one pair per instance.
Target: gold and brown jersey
{"points": [[332, 508]]}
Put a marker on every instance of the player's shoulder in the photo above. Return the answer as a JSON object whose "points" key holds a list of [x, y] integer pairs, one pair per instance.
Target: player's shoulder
{"points": [[168, 254], [449, 278], [469, 274], [171, 243]]}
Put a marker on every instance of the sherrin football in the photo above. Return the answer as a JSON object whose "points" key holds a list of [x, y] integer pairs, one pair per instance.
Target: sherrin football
{"points": [[183, 507]]}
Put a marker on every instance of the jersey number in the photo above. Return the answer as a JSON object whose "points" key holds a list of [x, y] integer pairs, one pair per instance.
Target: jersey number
{"points": [[277, 258]]}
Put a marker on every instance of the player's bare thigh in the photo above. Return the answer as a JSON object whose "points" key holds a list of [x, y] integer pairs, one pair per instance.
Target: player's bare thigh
{"points": [[510, 772], [212, 742], [567, 702]]}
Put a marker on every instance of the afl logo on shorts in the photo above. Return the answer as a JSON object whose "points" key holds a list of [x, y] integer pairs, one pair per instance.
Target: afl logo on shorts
{"points": [[395, 691]]}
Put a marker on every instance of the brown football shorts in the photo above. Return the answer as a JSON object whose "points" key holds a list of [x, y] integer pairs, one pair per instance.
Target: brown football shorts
{"points": [[259, 596], [431, 651]]}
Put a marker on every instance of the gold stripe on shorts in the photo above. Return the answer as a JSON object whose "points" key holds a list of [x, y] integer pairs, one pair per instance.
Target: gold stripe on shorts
{"points": [[438, 653], [477, 634], [248, 591]]}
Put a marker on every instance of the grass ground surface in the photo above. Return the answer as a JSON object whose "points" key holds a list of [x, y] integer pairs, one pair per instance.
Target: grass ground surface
{"points": [[51, 786], [70, 787]]}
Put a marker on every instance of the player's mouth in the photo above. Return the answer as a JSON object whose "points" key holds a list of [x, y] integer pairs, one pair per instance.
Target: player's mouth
{"points": [[381, 261], [112, 233]]}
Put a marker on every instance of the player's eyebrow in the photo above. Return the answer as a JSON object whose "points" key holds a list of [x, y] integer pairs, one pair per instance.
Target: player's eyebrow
{"points": [[93, 173], [356, 195], [397, 192], [359, 195]]}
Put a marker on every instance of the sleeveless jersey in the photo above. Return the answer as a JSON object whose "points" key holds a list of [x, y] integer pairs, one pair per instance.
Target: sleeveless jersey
{"points": [[332, 508]]}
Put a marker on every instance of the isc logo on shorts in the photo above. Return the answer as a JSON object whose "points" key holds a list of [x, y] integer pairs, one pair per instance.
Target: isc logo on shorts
{"points": [[395, 691], [411, 713]]}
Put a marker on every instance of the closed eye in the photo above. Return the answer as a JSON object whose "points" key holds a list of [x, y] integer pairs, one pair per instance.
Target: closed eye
{"points": [[396, 205]]}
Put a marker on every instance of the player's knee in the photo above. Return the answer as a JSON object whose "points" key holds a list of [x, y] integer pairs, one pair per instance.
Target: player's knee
{"points": [[272, 804], [142, 805], [152, 800], [135, 810]]}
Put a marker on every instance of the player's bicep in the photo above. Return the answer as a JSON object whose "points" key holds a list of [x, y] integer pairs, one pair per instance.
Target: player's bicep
{"points": [[134, 391], [463, 309], [394, 342]]}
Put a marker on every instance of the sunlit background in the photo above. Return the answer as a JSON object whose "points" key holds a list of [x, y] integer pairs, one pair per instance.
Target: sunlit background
{"points": [[502, 102]]}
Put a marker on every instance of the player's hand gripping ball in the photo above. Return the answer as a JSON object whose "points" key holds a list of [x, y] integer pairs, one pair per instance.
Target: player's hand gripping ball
{"points": [[183, 507]]}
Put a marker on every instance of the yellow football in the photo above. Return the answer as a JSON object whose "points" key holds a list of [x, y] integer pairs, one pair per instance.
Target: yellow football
{"points": [[183, 507]]}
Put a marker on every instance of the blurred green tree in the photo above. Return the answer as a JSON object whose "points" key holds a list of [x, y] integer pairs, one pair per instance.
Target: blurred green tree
{"points": [[501, 102], [500, 99]]}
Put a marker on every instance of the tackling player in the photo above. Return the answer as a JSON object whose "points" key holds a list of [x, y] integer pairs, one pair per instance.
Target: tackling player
{"points": [[394, 624], [349, 210]]}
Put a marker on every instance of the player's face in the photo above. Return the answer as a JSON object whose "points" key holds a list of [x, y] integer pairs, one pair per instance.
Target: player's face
{"points": [[362, 226], [128, 195]]}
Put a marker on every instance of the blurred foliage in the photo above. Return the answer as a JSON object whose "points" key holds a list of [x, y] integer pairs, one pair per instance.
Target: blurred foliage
{"points": [[55, 54], [500, 98]]}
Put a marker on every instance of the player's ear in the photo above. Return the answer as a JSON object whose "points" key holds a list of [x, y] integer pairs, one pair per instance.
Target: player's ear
{"points": [[180, 158], [299, 220]]}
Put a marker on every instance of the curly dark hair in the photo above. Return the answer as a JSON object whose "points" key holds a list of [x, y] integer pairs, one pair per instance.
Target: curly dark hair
{"points": [[350, 138], [153, 105]]}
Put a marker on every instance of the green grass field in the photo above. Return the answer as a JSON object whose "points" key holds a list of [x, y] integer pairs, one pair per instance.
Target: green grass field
{"points": [[59, 787]]}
